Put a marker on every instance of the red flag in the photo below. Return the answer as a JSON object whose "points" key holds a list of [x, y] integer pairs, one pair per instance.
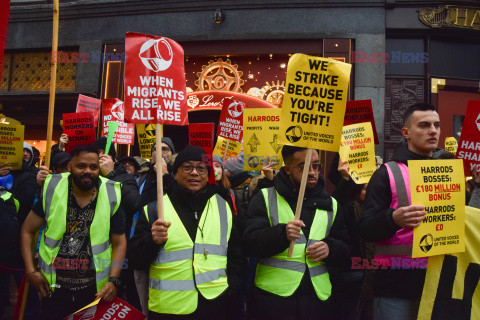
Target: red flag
{"points": [[4, 14], [155, 87], [469, 144]]}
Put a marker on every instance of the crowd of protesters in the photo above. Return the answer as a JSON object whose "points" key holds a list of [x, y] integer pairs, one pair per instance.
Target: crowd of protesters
{"points": [[220, 251]]}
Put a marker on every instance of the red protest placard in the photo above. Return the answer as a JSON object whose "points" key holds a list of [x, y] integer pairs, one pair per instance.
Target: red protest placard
{"points": [[230, 125], [113, 110], [469, 145], [155, 87], [360, 111], [201, 135], [115, 309], [80, 129], [88, 104], [125, 133]]}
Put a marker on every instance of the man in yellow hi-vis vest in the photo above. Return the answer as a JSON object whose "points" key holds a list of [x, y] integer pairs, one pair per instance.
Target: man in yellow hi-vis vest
{"points": [[298, 287], [194, 253], [83, 245]]}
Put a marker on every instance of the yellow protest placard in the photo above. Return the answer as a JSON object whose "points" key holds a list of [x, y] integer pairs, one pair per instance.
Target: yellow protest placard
{"points": [[357, 146], [146, 137], [451, 144], [260, 138], [451, 284], [438, 185], [314, 103], [234, 148], [11, 145]]}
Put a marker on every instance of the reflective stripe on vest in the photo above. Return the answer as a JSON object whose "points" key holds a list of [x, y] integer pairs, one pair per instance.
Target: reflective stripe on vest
{"points": [[396, 251], [55, 201], [5, 195], [282, 275], [183, 268]]}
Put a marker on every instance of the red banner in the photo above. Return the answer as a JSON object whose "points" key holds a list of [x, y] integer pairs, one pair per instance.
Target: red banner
{"points": [[80, 129], [115, 309], [88, 104], [469, 144], [230, 125], [113, 110], [360, 111], [201, 135], [155, 87], [4, 14]]}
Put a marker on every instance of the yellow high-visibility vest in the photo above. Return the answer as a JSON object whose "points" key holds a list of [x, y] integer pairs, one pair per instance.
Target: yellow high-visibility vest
{"points": [[282, 275]]}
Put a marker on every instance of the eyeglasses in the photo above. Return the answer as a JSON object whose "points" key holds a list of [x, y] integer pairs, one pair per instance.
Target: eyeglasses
{"points": [[165, 149], [201, 170], [317, 166]]}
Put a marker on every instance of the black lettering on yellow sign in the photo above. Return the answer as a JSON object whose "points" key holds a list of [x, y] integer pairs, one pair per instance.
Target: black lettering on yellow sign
{"points": [[314, 86], [446, 307]]}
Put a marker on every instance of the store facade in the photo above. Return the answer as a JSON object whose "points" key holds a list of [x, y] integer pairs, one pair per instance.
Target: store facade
{"points": [[236, 46], [434, 49]]}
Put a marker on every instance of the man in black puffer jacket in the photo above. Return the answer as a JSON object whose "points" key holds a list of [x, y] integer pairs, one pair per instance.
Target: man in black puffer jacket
{"points": [[297, 287]]}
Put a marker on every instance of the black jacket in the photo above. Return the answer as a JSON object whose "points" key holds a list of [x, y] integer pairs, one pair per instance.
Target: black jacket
{"points": [[141, 250], [344, 194], [261, 240], [24, 189], [377, 224], [130, 193], [9, 235]]}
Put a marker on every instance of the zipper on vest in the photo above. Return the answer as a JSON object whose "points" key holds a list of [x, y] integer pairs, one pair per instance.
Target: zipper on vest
{"points": [[193, 267], [196, 215]]}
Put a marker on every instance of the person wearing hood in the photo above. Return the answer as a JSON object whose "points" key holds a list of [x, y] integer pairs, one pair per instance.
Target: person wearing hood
{"points": [[298, 287], [388, 218], [116, 171], [193, 253]]}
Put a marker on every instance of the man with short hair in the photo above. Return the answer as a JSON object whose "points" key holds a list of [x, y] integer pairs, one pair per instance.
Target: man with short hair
{"points": [[298, 287], [82, 249], [388, 218], [194, 252]]}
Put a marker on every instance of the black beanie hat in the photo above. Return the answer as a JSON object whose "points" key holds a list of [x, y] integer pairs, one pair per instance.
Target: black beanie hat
{"points": [[190, 153]]}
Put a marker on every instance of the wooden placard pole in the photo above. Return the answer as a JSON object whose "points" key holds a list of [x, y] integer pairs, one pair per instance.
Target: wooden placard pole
{"points": [[53, 82], [301, 194], [51, 106], [226, 150], [158, 162]]}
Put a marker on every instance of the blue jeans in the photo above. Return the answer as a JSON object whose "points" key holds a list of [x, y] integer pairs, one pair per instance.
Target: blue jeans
{"points": [[395, 309]]}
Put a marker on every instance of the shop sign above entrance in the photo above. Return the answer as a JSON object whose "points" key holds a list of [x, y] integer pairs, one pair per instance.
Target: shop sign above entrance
{"points": [[451, 17], [213, 100]]}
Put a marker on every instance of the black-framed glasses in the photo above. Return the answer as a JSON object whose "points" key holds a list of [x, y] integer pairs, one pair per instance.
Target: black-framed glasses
{"points": [[165, 149], [201, 170], [317, 166]]}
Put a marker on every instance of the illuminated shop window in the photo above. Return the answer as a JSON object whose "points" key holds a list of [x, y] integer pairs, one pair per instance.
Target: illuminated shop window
{"points": [[30, 72]]}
